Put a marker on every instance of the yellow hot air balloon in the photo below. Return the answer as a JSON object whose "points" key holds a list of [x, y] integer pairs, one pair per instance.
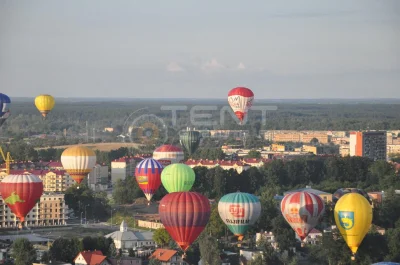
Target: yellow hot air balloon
{"points": [[44, 103], [78, 161], [353, 217]]}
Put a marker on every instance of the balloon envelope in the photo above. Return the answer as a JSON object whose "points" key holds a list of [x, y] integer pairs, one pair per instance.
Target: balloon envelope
{"points": [[240, 99], [184, 215], [5, 103], [353, 218], [44, 103], [169, 152], [148, 176], [340, 192], [21, 193], [239, 211], [190, 140], [78, 161], [178, 177], [302, 210]]}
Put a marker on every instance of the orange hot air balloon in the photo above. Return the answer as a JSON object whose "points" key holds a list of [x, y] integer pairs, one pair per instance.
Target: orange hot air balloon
{"points": [[21, 193], [78, 161]]}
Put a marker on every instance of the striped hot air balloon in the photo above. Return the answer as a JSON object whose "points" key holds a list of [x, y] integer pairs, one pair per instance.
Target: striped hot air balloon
{"points": [[178, 177], [184, 215], [169, 152], [302, 210], [21, 193], [78, 161], [240, 99], [239, 211], [190, 140], [148, 176]]}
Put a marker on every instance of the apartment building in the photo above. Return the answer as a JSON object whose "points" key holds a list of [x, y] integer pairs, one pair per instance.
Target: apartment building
{"points": [[53, 180], [50, 211], [123, 167], [323, 137], [370, 144], [98, 178]]}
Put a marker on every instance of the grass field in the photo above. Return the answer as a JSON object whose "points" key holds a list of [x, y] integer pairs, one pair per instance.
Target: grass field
{"points": [[98, 146]]}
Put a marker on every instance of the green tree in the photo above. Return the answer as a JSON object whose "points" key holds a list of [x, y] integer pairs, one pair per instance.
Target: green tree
{"points": [[253, 154], [161, 237], [393, 236], [45, 257], [64, 249], [209, 250], [154, 261], [23, 251], [215, 226], [131, 253]]}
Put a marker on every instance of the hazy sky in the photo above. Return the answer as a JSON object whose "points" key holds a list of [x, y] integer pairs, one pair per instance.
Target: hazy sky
{"points": [[188, 48]]}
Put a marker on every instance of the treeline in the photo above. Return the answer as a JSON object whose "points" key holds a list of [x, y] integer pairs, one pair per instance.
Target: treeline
{"points": [[73, 116]]}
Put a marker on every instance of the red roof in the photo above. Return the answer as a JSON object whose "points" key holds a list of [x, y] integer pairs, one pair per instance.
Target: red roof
{"points": [[36, 172], [163, 254], [315, 231], [168, 148], [92, 257]]}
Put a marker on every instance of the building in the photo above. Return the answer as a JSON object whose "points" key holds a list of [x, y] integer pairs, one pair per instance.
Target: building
{"points": [[150, 224], [122, 168], [50, 211], [225, 134], [326, 197], [98, 178], [53, 180], [125, 239], [108, 129], [239, 166], [344, 150], [125, 261], [91, 258], [371, 144], [168, 257], [323, 137], [312, 238], [278, 148], [393, 149]]}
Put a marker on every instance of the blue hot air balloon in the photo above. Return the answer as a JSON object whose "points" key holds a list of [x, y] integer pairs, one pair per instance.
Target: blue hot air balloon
{"points": [[4, 108]]}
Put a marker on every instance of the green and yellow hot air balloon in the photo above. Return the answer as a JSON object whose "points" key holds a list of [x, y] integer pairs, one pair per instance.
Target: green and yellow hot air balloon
{"points": [[353, 217], [177, 178]]}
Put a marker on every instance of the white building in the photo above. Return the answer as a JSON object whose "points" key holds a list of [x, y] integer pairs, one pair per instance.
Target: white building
{"points": [[50, 211], [122, 168], [98, 178], [125, 239], [312, 238]]}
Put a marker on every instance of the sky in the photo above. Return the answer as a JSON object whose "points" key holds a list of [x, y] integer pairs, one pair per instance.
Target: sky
{"points": [[200, 49]]}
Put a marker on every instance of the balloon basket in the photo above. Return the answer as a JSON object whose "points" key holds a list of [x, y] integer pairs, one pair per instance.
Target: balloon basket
{"points": [[184, 256], [353, 258], [302, 244]]}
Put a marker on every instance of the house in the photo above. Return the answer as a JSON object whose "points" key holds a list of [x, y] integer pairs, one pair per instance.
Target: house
{"points": [[168, 257], [312, 238], [125, 239], [95, 257], [125, 261]]}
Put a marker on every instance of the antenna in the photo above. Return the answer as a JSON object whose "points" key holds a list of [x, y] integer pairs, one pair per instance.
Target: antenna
{"points": [[87, 132]]}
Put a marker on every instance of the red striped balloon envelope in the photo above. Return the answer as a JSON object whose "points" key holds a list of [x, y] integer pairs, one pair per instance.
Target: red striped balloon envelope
{"points": [[302, 210], [21, 193], [148, 176], [184, 215]]}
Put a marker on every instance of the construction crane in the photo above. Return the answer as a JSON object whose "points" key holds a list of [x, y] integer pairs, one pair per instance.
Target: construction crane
{"points": [[7, 159]]}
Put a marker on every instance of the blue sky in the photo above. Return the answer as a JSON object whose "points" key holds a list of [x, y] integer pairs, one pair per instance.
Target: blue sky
{"points": [[200, 49]]}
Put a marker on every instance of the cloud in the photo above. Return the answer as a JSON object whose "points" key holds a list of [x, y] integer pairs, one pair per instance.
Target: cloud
{"points": [[213, 65], [174, 67], [241, 66]]}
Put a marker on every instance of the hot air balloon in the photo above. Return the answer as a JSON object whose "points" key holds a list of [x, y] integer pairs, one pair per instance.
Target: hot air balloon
{"points": [[44, 103], [302, 210], [184, 215], [148, 176], [78, 161], [353, 218], [190, 140], [21, 193], [177, 177], [240, 99], [239, 211], [4, 108], [340, 192], [168, 152]]}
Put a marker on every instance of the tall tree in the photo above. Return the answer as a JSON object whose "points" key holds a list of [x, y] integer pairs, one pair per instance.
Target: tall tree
{"points": [[161, 237], [23, 251], [209, 250]]}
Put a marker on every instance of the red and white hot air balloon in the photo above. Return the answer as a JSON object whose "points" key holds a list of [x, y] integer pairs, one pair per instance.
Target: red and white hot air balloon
{"points": [[302, 210], [21, 193], [240, 99], [168, 153]]}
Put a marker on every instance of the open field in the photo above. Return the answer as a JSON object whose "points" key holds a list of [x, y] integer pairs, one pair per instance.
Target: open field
{"points": [[98, 146]]}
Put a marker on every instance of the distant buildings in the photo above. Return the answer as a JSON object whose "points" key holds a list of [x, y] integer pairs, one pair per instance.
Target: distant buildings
{"points": [[50, 211], [239, 166], [98, 178], [371, 144], [323, 137], [122, 168], [168, 257]]}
